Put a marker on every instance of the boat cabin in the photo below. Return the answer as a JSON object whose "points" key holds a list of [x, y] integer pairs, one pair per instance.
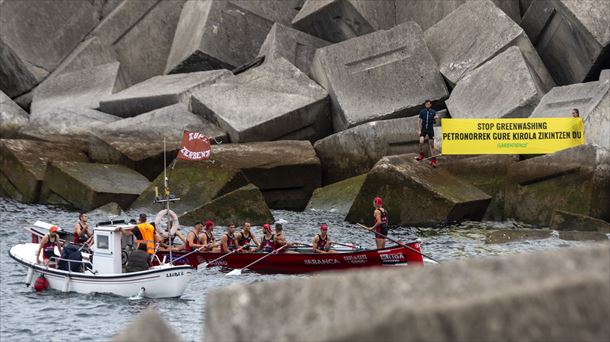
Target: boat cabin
{"points": [[107, 249]]}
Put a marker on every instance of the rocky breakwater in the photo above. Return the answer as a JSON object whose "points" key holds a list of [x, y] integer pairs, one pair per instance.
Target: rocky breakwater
{"points": [[297, 94], [558, 295]]}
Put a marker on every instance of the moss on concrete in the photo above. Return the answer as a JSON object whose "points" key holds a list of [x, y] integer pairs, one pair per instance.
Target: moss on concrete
{"points": [[337, 197]]}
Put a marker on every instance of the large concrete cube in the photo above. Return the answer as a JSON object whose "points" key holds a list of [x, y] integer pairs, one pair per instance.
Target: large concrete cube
{"points": [[338, 20], [295, 46], [592, 100], [67, 125], [35, 38], [138, 142], [12, 117], [428, 12], [504, 87], [219, 34], [286, 172], [336, 197], [414, 194], [78, 89], [575, 180], [87, 186], [275, 101], [473, 34], [159, 91], [381, 75], [571, 36], [356, 150], [23, 164]]}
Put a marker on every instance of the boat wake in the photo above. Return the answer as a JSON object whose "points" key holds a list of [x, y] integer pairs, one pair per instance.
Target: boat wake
{"points": [[139, 296]]}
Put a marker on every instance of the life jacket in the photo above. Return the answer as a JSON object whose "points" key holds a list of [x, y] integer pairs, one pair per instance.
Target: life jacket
{"points": [[322, 242], [384, 220], [243, 240], [195, 240], [148, 236], [80, 239], [49, 247], [268, 245], [230, 243]]}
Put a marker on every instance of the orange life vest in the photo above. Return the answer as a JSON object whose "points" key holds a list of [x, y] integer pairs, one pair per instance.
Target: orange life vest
{"points": [[148, 236]]}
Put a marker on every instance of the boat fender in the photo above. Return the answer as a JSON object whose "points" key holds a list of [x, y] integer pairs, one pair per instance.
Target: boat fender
{"points": [[41, 283], [28, 278], [66, 284], [160, 218]]}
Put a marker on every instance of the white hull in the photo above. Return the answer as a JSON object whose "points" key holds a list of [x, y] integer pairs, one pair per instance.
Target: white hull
{"points": [[164, 281]]}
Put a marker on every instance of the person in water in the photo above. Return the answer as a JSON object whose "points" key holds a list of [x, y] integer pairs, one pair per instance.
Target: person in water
{"points": [[82, 235], [208, 240], [321, 242], [245, 237], [193, 238], [268, 243], [228, 242], [47, 245], [381, 222]]}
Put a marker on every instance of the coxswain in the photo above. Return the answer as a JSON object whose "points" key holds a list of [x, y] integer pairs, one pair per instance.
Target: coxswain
{"points": [[207, 239], [268, 243], [145, 234], [228, 243], [47, 245], [380, 216], [321, 242], [192, 238], [245, 237], [82, 234]]}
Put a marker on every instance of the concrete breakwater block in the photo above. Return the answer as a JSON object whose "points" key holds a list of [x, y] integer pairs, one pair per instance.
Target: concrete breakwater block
{"points": [[559, 27], [428, 12], [159, 91], [339, 20], [35, 39], [274, 101], [148, 326], [488, 173], [219, 34], [354, 151], [67, 125], [574, 180], [415, 194], [544, 296], [295, 46], [12, 117], [473, 34], [251, 207], [503, 87], [381, 75], [78, 89], [196, 183], [592, 99], [565, 220], [23, 164], [336, 197], [90, 185], [286, 172]]}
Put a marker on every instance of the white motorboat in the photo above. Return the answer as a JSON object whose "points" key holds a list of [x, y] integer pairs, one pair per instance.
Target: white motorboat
{"points": [[104, 274]]}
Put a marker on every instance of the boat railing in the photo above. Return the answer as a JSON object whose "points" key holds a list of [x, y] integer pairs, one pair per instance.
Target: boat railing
{"points": [[70, 261]]}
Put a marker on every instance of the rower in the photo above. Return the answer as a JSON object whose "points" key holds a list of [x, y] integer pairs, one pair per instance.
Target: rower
{"points": [[381, 222], [245, 236], [82, 234], [145, 234], [280, 240], [192, 238], [228, 243], [321, 242], [207, 239], [47, 245], [268, 243]]}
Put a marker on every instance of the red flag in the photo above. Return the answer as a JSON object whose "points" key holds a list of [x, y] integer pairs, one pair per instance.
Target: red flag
{"points": [[194, 146]]}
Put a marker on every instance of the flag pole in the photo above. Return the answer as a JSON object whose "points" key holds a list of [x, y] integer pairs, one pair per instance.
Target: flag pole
{"points": [[166, 193]]}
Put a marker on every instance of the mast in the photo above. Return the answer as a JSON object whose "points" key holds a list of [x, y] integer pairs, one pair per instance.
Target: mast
{"points": [[166, 197]]}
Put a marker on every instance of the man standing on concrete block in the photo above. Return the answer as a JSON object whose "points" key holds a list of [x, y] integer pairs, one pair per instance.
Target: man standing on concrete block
{"points": [[425, 125]]}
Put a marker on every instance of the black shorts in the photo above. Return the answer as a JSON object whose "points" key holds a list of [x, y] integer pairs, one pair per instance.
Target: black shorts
{"points": [[383, 229], [429, 133]]}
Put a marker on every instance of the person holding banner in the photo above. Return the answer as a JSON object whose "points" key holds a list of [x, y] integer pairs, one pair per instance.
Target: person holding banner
{"points": [[575, 113], [425, 126]]}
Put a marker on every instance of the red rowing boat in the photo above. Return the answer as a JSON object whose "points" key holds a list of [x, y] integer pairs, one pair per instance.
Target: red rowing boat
{"points": [[306, 261]]}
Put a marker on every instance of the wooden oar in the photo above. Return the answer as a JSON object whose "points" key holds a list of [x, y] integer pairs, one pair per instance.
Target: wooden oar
{"points": [[205, 263], [237, 271], [399, 243], [350, 245]]}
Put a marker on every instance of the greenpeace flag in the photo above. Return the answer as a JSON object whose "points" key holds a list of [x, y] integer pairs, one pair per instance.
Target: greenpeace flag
{"points": [[194, 146]]}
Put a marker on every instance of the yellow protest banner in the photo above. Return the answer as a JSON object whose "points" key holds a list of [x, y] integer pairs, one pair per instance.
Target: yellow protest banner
{"points": [[510, 136]]}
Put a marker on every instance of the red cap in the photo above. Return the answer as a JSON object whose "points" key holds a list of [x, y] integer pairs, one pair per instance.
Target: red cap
{"points": [[324, 227], [266, 226], [208, 224], [378, 201], [53, 229]]}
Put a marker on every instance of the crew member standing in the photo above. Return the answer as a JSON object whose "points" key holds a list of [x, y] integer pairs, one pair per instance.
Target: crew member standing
{"points": [[425, 127], [145, 234], [381, 222]]}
